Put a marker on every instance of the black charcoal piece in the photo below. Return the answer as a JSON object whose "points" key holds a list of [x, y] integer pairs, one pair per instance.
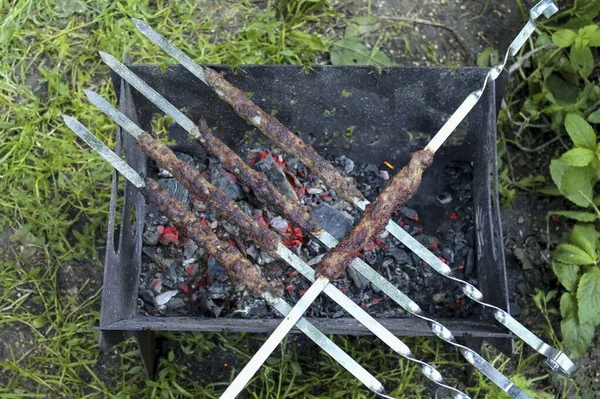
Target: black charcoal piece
{"points": [[275, 174], [334, 222]]}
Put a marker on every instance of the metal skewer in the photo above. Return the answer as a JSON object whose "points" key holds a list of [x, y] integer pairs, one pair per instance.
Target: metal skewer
{"points": [[284, 308], [292, 259], [557, 360]]}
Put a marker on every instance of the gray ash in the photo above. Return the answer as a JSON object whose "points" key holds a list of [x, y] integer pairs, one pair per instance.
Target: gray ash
{"points": [[178, 279]]}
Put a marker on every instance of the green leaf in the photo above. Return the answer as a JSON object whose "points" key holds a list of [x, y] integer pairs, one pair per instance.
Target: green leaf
{"points": [[585, 237], [351, 51], [582, 59], [483, 59], [564, 38], [594, 117], [572, 255], [590, 35], [6, 32], [568, 275], [568, 305], [580, 132], [576, 184], [588, 297], [576, 215], [362, 25], [576, 337], [578, 157]]}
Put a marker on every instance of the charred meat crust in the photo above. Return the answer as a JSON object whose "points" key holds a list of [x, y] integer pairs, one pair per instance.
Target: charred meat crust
{"points": [[264, 190], [227, 255], [287, 140], [197, 185], [376, 215]]}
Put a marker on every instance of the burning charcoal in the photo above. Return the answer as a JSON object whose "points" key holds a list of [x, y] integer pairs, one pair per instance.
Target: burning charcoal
{"points": [[315, 190], [279, 224], [170, 235], [176, 189], [189, 248], [409, 213], [255, 309], [275, 174], [224, 180], [384, 175], [213, 307], [448, 254], [265, 258], [439, 298], [149, 251], [216, 272], [470, 262], [444, 198], [359, 281], [151, 236], [233, 230], [147, 296], [399, 255], [165, 297], [371, 168], [333, 221], [163, 262], [348, 164], [252, 251], [176, 304]]}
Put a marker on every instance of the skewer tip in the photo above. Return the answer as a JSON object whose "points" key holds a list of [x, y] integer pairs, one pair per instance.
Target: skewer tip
{"points": [[107, 58], [91, 94], [139, 24], [69, 120]]}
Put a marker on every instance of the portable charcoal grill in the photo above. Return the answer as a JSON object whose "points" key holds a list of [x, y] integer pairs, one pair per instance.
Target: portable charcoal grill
{"points": [[373, 108], [370, 107]]}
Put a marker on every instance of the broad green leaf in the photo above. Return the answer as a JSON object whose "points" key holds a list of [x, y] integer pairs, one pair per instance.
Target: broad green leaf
{"points": [[582, 58], [594, 117], [6, 32], [580, 132], [590, 35], [351, 51], [564, 92], [564, 38], [585, 237], [312, 41], [588, 297], [572, 255], [557, 171], [578, 157], [576, 184], [362, 25], [568, 275], [576, 215], [568, 305], [576, 337]]}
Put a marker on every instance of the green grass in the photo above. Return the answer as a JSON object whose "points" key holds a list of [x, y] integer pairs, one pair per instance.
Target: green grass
{"points": [[54, 193]]}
